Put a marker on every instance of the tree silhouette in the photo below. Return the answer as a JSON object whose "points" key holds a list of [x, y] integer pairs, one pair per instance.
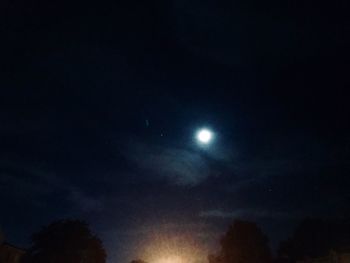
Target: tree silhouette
{"points": [[314, 238], [2, 237], [244, 242], [68, 241]]}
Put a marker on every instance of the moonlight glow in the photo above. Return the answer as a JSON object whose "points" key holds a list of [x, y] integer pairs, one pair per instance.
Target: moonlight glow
{"points": [[204, 136]]}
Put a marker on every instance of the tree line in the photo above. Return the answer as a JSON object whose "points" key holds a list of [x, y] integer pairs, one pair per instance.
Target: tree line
{"points": [[71, 241]]}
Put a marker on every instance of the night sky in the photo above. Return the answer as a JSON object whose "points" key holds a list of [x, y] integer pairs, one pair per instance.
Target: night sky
{"points": [[100, 104]]}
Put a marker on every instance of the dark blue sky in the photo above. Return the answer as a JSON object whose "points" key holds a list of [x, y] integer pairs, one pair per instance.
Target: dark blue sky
{"points": [[99, 104]]}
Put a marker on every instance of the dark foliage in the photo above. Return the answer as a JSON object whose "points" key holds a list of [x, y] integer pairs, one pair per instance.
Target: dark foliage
{"points": [[68, 241], [314, 238], [244, 242]]}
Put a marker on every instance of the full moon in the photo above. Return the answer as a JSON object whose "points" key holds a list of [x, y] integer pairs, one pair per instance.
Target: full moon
{"points": [[204, 136]]}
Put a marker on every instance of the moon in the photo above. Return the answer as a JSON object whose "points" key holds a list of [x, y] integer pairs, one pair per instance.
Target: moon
{"points": [[204, 136]]}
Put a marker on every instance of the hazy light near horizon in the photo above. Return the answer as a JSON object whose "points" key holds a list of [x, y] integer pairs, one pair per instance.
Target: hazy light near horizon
{"points": [[172, 247], [171, 259]]}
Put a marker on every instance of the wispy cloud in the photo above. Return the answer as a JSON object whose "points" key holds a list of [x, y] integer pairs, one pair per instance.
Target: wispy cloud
{"points": [[37, 186], [262, 213], [248, 213], [83, 201], [179, 166]]}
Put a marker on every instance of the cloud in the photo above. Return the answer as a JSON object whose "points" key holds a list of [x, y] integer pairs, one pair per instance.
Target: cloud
{"points": [[36, 186], [186, 167], [26, 182], [249, 213], [83, 201], [179, 166]]}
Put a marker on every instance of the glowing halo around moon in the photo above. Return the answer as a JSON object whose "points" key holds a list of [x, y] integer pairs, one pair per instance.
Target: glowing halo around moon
{"points": [[204, 136]]}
